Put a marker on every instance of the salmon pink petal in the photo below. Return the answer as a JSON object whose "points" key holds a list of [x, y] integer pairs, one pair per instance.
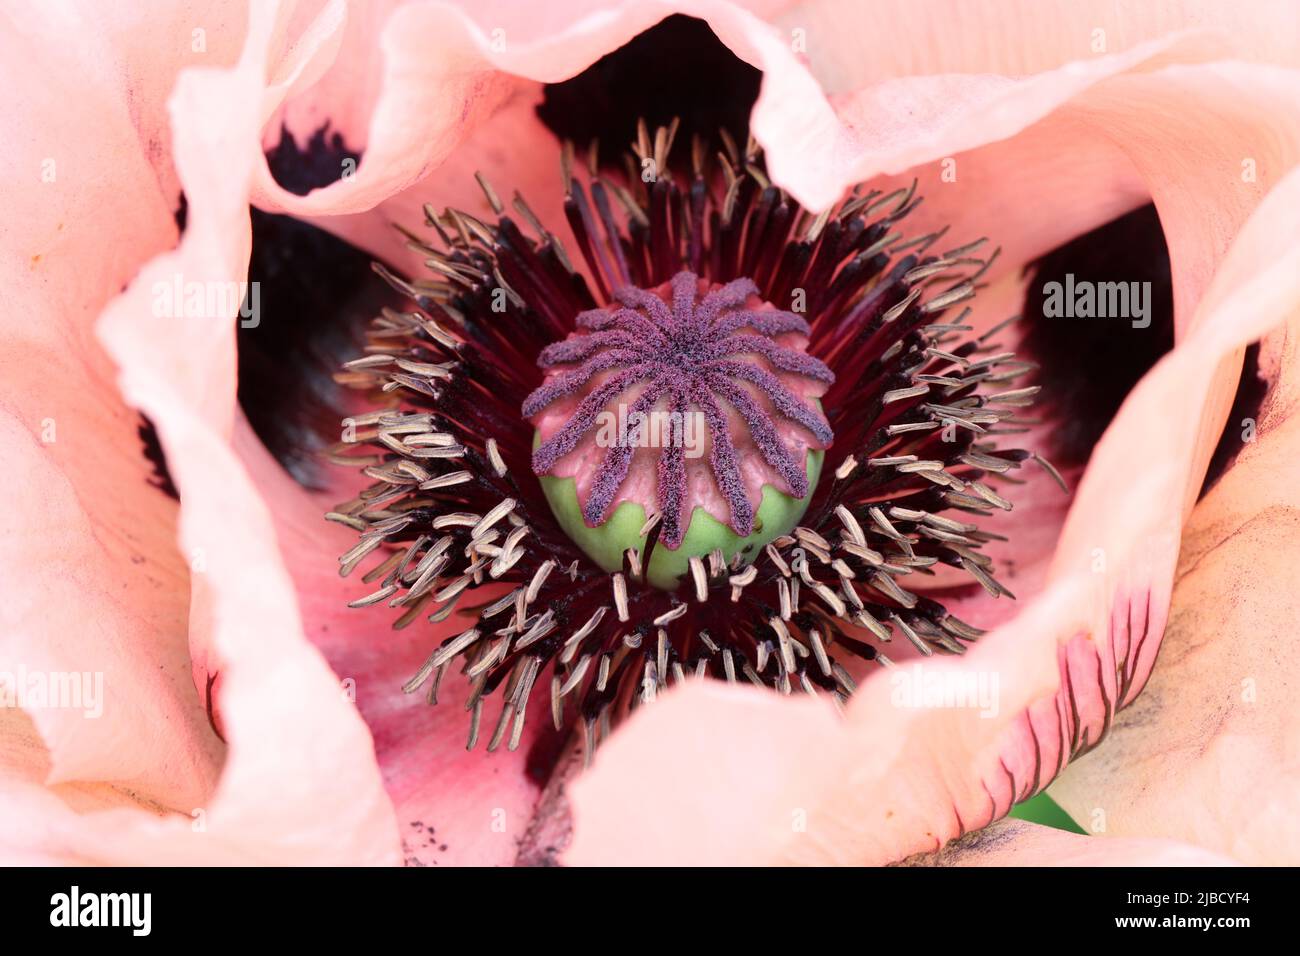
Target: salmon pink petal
{"points": [[1199, 218], [95, 587], [299, 783], [442, 75], [127, 61], [852, 46], [453, 807], [431, 86], [774, 780], [291, 728], [990, 108], [96, 592], [1208, 753]]}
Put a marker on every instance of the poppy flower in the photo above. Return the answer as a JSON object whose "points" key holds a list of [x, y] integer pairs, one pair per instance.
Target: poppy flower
{"points": [[873, 491]]}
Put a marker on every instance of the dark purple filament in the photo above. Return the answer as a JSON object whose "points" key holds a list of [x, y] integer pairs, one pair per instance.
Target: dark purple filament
{"points": [[689, 354]]}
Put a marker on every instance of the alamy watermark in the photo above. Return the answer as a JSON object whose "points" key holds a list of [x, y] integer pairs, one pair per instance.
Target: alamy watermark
{"points": [[179, 299], [1098, 300], [920, 687], [133, 911], [53, 690], [654, 429]]}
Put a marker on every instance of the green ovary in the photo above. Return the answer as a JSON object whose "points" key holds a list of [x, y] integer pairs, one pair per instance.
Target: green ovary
{"points": [[778, 514]]}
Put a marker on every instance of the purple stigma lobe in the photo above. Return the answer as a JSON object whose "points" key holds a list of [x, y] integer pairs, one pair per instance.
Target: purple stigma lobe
{"points": [[690, 353]]}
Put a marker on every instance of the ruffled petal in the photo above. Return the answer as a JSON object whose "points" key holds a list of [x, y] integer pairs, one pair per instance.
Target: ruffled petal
{"points": [[443, 75], [1208, 752], [300, 783], [902, 85], [776, 780], [96, 589]]}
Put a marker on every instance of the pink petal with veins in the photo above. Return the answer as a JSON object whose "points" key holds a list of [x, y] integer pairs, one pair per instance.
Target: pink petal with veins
{"points": [[1209, 752]]}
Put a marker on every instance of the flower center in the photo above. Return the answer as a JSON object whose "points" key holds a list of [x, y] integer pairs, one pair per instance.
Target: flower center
{"points": [[629, 453], [693, 395]]}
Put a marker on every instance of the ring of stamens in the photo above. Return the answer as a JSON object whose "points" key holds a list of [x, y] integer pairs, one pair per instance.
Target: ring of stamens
{"points": [[917, 408]]}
